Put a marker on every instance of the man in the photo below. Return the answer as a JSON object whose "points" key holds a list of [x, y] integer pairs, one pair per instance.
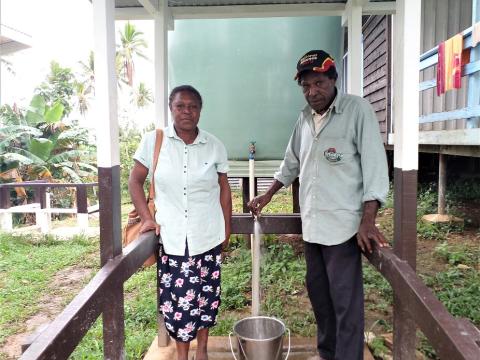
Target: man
{"points": [[337, 152]]}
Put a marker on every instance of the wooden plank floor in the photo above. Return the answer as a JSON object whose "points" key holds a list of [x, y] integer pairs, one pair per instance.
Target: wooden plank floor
{"points": [[219, 349]]}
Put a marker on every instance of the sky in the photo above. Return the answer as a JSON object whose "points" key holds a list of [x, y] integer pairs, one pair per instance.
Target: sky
{"points": [[61, 30]]}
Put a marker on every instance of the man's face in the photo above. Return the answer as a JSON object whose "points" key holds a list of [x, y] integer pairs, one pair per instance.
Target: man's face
{"points": [[318, 90], [185, 110]]}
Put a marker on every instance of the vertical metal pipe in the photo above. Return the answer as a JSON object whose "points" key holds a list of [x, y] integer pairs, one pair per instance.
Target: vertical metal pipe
{"points": [[255, 238], [442, 183]]}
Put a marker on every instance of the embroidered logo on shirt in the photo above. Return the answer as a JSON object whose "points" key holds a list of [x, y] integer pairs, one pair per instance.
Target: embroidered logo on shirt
{"points": [[332, 155]]}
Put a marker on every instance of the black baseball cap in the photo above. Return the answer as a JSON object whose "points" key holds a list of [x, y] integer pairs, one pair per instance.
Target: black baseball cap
{"points": [[314, 60]]}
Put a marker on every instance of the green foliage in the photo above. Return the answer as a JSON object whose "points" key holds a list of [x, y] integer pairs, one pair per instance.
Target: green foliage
{"points": [[40, 145], [459, 291], [437, 231], [27, 265], [129, 141], [236, 277], [458, 254], [58, 87], [131, 46], [377, 345], [378, 292], [461, 190]]}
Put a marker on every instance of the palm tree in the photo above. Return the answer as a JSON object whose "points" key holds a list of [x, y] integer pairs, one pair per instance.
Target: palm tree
{"points": [[88, 73], [8, 65], [142, 96], [131, 46]]}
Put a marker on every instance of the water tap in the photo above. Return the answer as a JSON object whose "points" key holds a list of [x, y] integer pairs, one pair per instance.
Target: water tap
{"points": [[251, 150]]}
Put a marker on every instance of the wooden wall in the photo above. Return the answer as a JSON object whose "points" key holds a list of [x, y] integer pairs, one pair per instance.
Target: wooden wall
{"points": [[377, 68]]}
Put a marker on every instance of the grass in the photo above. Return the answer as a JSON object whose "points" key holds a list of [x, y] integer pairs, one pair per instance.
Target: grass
{"points": [[27, 266]]}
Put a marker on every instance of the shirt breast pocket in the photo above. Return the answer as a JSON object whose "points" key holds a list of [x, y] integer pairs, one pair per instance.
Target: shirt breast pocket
{"points": [[204, 176], [337, 151]]}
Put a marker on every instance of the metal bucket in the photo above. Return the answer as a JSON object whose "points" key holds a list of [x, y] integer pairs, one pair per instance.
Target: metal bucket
{"points": [[259, 338]]}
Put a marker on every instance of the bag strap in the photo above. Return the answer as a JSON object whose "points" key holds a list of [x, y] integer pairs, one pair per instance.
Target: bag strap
{"points": [[156, 153]]}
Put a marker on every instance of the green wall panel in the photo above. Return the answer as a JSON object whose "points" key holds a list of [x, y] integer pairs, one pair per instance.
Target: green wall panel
{"points": [[244, 69]]}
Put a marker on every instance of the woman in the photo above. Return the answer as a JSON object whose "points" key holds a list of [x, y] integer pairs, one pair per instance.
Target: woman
{"points": [[193, 215]]}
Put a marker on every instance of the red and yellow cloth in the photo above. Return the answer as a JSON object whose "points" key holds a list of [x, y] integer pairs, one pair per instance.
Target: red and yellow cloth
{"points": [[449, 68]]}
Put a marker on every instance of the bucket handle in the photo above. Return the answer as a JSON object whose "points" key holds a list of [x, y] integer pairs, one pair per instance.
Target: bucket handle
{"points": [[288, 352], [231, 346], [233, 353]]}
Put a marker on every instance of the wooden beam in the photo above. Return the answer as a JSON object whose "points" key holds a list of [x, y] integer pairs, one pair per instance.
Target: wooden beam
{"points": [[469, 111], [256, 11], [62, 336], [132, 13], [160, 22], [152, 6], [450, 337], [379, 8]]}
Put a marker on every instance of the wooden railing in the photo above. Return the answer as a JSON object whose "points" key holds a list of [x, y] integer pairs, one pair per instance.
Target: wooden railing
{"points": [[41, 203], [472, 110], [451, 338]]}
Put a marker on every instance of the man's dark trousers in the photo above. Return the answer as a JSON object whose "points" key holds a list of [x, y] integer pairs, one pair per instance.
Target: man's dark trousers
{"points": [[335, 288]]}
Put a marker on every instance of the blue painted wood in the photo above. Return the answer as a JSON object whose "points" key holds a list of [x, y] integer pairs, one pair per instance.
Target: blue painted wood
{"points": [[474, 80], [467, 69], [427, 85], [430, 57], [464, 113]]}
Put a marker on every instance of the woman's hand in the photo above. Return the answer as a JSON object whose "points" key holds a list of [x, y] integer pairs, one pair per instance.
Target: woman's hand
{"points": [[149, 225]]}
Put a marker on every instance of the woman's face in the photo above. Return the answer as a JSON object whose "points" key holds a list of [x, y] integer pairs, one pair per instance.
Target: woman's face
{"points": [[185, 109]]}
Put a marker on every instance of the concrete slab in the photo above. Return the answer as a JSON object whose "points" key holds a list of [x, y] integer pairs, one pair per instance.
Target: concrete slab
{"points": [[219, 349], [441, 218]]}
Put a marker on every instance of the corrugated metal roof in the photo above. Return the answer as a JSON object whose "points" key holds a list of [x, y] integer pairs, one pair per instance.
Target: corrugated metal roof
{"points": [[173, 3], [179, 3]]}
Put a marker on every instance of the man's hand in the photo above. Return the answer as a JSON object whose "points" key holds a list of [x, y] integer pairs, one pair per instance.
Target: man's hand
{"points": [[258, 203], [367, 230], [150, 225]]}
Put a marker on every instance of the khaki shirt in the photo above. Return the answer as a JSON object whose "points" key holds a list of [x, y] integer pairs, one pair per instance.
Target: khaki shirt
{"points": [[187, 193], [339, 168]]}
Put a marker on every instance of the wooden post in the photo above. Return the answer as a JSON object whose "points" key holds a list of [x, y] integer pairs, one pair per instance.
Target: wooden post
{"points": [[160, 23], [442, 183], [82, 206], [406, 74], [474, 79], [355, 46], [160, 44], [6, 219], [108, 159]]}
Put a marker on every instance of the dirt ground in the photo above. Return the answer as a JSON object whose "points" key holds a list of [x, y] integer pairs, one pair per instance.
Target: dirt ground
{"points": [[70, 281], [66, 282]]}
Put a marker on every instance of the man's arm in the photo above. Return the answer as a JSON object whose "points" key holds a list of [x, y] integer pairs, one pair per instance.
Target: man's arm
{"points": [[368, 230], [259, 202], [374, 174], [226, 204]]}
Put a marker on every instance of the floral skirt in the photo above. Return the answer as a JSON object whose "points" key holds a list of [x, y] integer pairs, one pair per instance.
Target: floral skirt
{"points": [[189, 289]]}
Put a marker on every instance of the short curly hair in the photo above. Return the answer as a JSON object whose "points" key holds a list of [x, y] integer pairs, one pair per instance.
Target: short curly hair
{"points": [[186, 88]]}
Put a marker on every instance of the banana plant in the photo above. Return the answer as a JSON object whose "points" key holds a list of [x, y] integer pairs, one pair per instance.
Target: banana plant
{"points": [[42, 146]]}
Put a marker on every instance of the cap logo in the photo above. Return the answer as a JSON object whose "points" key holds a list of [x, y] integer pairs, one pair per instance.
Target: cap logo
{"points": [[307, 59], [327, 63]]}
